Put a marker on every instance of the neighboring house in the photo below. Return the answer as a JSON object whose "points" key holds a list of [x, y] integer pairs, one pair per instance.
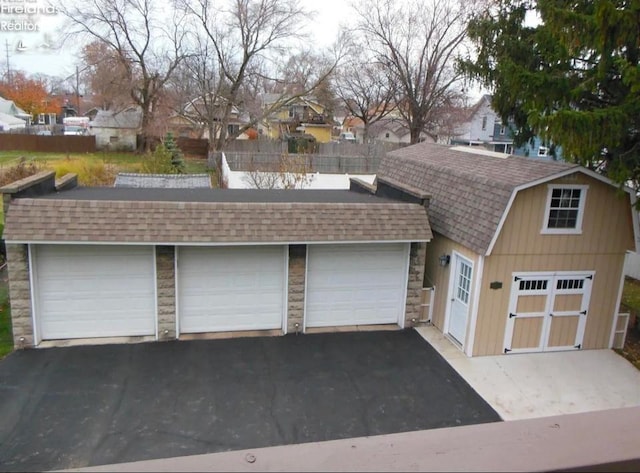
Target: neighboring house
{"points": [[10, 122], [302, 116], [161, 264], [353, 125], [527, 255], [117, 130], [483, 127], [185, 127], [387, 130], [478, 128], [163, 181], [8, 107], [191, 119]]}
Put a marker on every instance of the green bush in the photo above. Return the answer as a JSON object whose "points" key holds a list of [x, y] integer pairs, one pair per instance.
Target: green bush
{"points": [[165, 159]]}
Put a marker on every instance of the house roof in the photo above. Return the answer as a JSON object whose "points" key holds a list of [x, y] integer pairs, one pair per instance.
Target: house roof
{"points": [[11, 119], [163, 181], [470, 189], [212, 216], [129, 118], [10, 108], [485, 99], [396, 126]]}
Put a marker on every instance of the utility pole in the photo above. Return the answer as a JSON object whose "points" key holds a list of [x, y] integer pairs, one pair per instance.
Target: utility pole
{"points": [[77, 92], [6, 46]]}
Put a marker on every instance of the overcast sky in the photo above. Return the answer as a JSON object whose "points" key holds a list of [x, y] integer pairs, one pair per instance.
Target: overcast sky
{"points": [[40, 51]]}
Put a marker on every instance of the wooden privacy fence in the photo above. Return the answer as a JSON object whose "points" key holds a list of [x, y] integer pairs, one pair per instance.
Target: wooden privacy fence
{"points": [[324, 149], [53, 144], [312, 162], [193, 146]]}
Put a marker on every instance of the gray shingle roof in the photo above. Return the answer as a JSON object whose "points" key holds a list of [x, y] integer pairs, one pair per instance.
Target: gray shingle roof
{"points": [[469, 192], [163, 181], [65, 220], [129, 119]]}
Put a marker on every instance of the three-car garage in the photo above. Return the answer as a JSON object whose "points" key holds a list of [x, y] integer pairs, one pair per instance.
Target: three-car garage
{"points": [[160, 264]]}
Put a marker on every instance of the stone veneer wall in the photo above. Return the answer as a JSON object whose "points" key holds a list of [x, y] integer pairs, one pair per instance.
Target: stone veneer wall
{"points": [[166, 292], [414, 286], [295, 296], [20, 295]]}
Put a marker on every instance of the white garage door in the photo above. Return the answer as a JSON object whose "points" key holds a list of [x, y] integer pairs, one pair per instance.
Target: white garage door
{"points": [[231, 288], [356, 284], [94, 291]]}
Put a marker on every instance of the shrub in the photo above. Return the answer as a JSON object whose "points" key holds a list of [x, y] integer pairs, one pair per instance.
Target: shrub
{"points": [[165, 159], [19, 171]]}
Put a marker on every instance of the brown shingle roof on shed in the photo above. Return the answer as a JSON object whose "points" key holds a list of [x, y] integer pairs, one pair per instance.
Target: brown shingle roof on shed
{"points": [[469, 192], [122, 221]]}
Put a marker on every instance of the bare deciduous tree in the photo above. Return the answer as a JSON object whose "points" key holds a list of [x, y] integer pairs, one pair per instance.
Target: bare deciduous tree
{"points": [[145, 36], [247, 42], [105, 76], [417, 44], [365, 88], [240, 37]]}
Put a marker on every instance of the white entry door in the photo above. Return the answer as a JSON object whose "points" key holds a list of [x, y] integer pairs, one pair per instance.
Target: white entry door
{"points": [[460, 297]]}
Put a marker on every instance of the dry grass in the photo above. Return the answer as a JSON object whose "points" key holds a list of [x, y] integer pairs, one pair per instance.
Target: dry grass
{"points": [[91, 172], [19, 171]]}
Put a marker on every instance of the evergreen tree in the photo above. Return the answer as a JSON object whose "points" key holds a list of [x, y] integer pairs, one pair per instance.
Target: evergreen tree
{"points": [[177, 158], [571, 77]]}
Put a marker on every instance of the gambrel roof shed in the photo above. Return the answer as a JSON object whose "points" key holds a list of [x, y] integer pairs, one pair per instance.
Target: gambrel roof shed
{"points": [[470, 190]]}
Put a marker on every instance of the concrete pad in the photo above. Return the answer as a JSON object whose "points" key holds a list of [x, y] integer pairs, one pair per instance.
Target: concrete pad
{"points": [[523, 386]]}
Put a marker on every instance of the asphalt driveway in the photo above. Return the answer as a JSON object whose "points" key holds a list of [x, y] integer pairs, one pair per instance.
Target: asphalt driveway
{"points": [[82, 406]]}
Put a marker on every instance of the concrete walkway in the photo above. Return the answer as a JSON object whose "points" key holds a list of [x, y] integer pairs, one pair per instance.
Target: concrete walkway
{"points": [[525, 386]]}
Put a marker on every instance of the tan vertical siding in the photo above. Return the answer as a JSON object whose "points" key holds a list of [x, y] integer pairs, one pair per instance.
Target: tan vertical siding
{"points": [[607, 232], [606, 226], [438, 276]]}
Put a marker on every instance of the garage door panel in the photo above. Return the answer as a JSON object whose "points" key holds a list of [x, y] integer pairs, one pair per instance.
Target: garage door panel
{"points": [[355, 284], [94, 291], [231, 288], [562, 332], [527, 332]]}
